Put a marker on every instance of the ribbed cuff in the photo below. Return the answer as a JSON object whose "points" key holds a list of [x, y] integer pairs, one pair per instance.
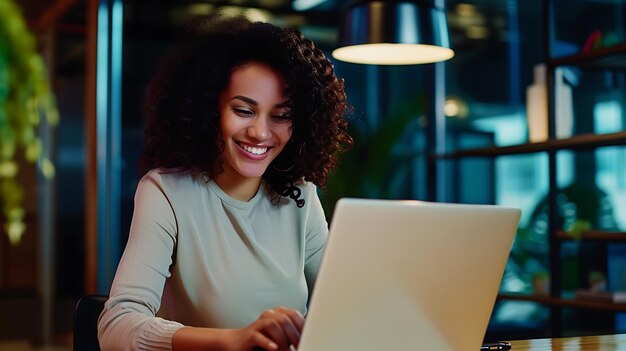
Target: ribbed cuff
{"points": [[158, 336]]}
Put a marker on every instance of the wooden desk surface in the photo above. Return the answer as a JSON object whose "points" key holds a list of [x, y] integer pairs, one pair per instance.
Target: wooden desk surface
{"points": [[583, 343]]}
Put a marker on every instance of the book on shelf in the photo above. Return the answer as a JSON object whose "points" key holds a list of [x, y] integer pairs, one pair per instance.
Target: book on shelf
{"points": [[602, 296]]}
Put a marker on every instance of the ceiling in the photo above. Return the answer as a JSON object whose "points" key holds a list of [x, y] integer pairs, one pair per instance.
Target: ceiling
{"points": [[478, 29]]}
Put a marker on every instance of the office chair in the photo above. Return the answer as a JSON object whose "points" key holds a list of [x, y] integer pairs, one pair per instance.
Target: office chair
{"points": [[88, 310]]}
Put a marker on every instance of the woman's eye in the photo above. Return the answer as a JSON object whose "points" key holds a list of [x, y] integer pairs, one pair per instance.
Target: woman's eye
{"points": [[243, 112], [283, 117]]}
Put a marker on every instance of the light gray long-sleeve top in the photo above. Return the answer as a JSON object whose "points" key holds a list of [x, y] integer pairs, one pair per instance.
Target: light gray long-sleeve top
{"points": [[197, 257]]}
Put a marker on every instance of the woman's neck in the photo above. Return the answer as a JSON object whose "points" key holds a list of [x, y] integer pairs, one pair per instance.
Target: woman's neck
{"points": [[238, 187]]}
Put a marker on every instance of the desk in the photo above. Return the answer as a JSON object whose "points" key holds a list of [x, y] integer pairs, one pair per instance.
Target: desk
{"points": [[583, 343]]}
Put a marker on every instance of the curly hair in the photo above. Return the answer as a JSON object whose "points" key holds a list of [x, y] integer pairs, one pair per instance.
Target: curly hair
{"points": [[181, 107]]}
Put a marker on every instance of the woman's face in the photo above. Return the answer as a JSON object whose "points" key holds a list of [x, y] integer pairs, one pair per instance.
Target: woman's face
{"points": [[255, 120]]}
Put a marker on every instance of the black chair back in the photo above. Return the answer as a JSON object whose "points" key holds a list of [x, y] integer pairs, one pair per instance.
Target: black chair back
{"points": [[88, 310]]}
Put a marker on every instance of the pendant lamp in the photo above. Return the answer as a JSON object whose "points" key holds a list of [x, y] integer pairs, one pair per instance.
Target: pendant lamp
{"points": [[394, 32]]}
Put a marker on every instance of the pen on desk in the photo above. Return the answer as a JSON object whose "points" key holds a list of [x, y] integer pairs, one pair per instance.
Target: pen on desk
{"points": [[495, 346]]}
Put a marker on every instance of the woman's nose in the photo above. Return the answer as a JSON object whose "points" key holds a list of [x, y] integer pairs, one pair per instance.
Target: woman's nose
{"points": [[259, 129]]}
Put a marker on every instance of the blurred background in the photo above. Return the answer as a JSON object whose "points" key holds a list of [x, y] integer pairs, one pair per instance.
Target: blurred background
{"points": [[454, 131]]}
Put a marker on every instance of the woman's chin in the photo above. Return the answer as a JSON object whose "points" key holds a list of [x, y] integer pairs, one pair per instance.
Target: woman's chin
{"points": [[252, 172]]}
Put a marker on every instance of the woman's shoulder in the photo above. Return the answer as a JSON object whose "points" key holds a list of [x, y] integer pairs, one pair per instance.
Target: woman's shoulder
{"points": [[307, 187], [173, 179], [309, 191]]}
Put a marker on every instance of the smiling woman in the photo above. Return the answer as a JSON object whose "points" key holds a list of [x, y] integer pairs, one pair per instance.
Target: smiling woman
{"points": [[255, 125], [183, 102], [228, 231]]}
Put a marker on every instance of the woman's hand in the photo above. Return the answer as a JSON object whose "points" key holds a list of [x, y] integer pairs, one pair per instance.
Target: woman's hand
{"points": [[275, 329]]}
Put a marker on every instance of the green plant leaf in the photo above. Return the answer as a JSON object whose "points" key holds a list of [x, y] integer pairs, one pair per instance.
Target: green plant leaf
{"points": [[25, 95], [370, 168]]}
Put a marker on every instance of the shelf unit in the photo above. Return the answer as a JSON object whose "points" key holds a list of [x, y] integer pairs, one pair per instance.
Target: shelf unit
{"points": [[602, 59], [593, 235], [613, 57], [579, 142], [608, 58]]}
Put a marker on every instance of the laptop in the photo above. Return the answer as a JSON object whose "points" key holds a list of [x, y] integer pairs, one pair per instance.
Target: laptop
{"points": [[408, 275]]}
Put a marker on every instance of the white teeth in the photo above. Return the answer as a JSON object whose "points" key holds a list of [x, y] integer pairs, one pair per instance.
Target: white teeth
{"points": [[254, 150]]}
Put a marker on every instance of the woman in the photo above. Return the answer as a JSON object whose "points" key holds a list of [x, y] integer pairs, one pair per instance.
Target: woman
{"points": [[228, 232]]}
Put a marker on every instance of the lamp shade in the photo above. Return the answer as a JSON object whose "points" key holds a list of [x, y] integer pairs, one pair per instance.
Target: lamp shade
{"points": [[394, 32]]}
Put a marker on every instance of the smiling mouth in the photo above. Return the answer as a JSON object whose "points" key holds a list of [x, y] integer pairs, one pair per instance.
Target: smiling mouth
{"points": [[254, 150]]}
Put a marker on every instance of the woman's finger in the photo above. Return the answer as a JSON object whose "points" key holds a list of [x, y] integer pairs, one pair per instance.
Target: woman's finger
{"points": [[290, 322], [295, 316], [261, 341], [272, 329]]}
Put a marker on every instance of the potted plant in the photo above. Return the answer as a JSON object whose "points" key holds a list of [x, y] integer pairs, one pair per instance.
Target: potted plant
{"points": [[370, 169], [26, 100]]}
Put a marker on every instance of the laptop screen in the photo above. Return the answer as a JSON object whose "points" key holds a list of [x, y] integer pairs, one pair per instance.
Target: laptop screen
{"points": [[408, 275]]}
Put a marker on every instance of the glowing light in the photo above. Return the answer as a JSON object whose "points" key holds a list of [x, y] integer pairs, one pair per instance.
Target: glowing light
{"points": [[393, 54], [455, 107], [303, 5], [451, 108]]}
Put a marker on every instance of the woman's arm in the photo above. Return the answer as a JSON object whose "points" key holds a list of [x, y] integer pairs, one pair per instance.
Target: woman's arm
{"points": [[129, 320], [275, 329], [316, 236]]}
